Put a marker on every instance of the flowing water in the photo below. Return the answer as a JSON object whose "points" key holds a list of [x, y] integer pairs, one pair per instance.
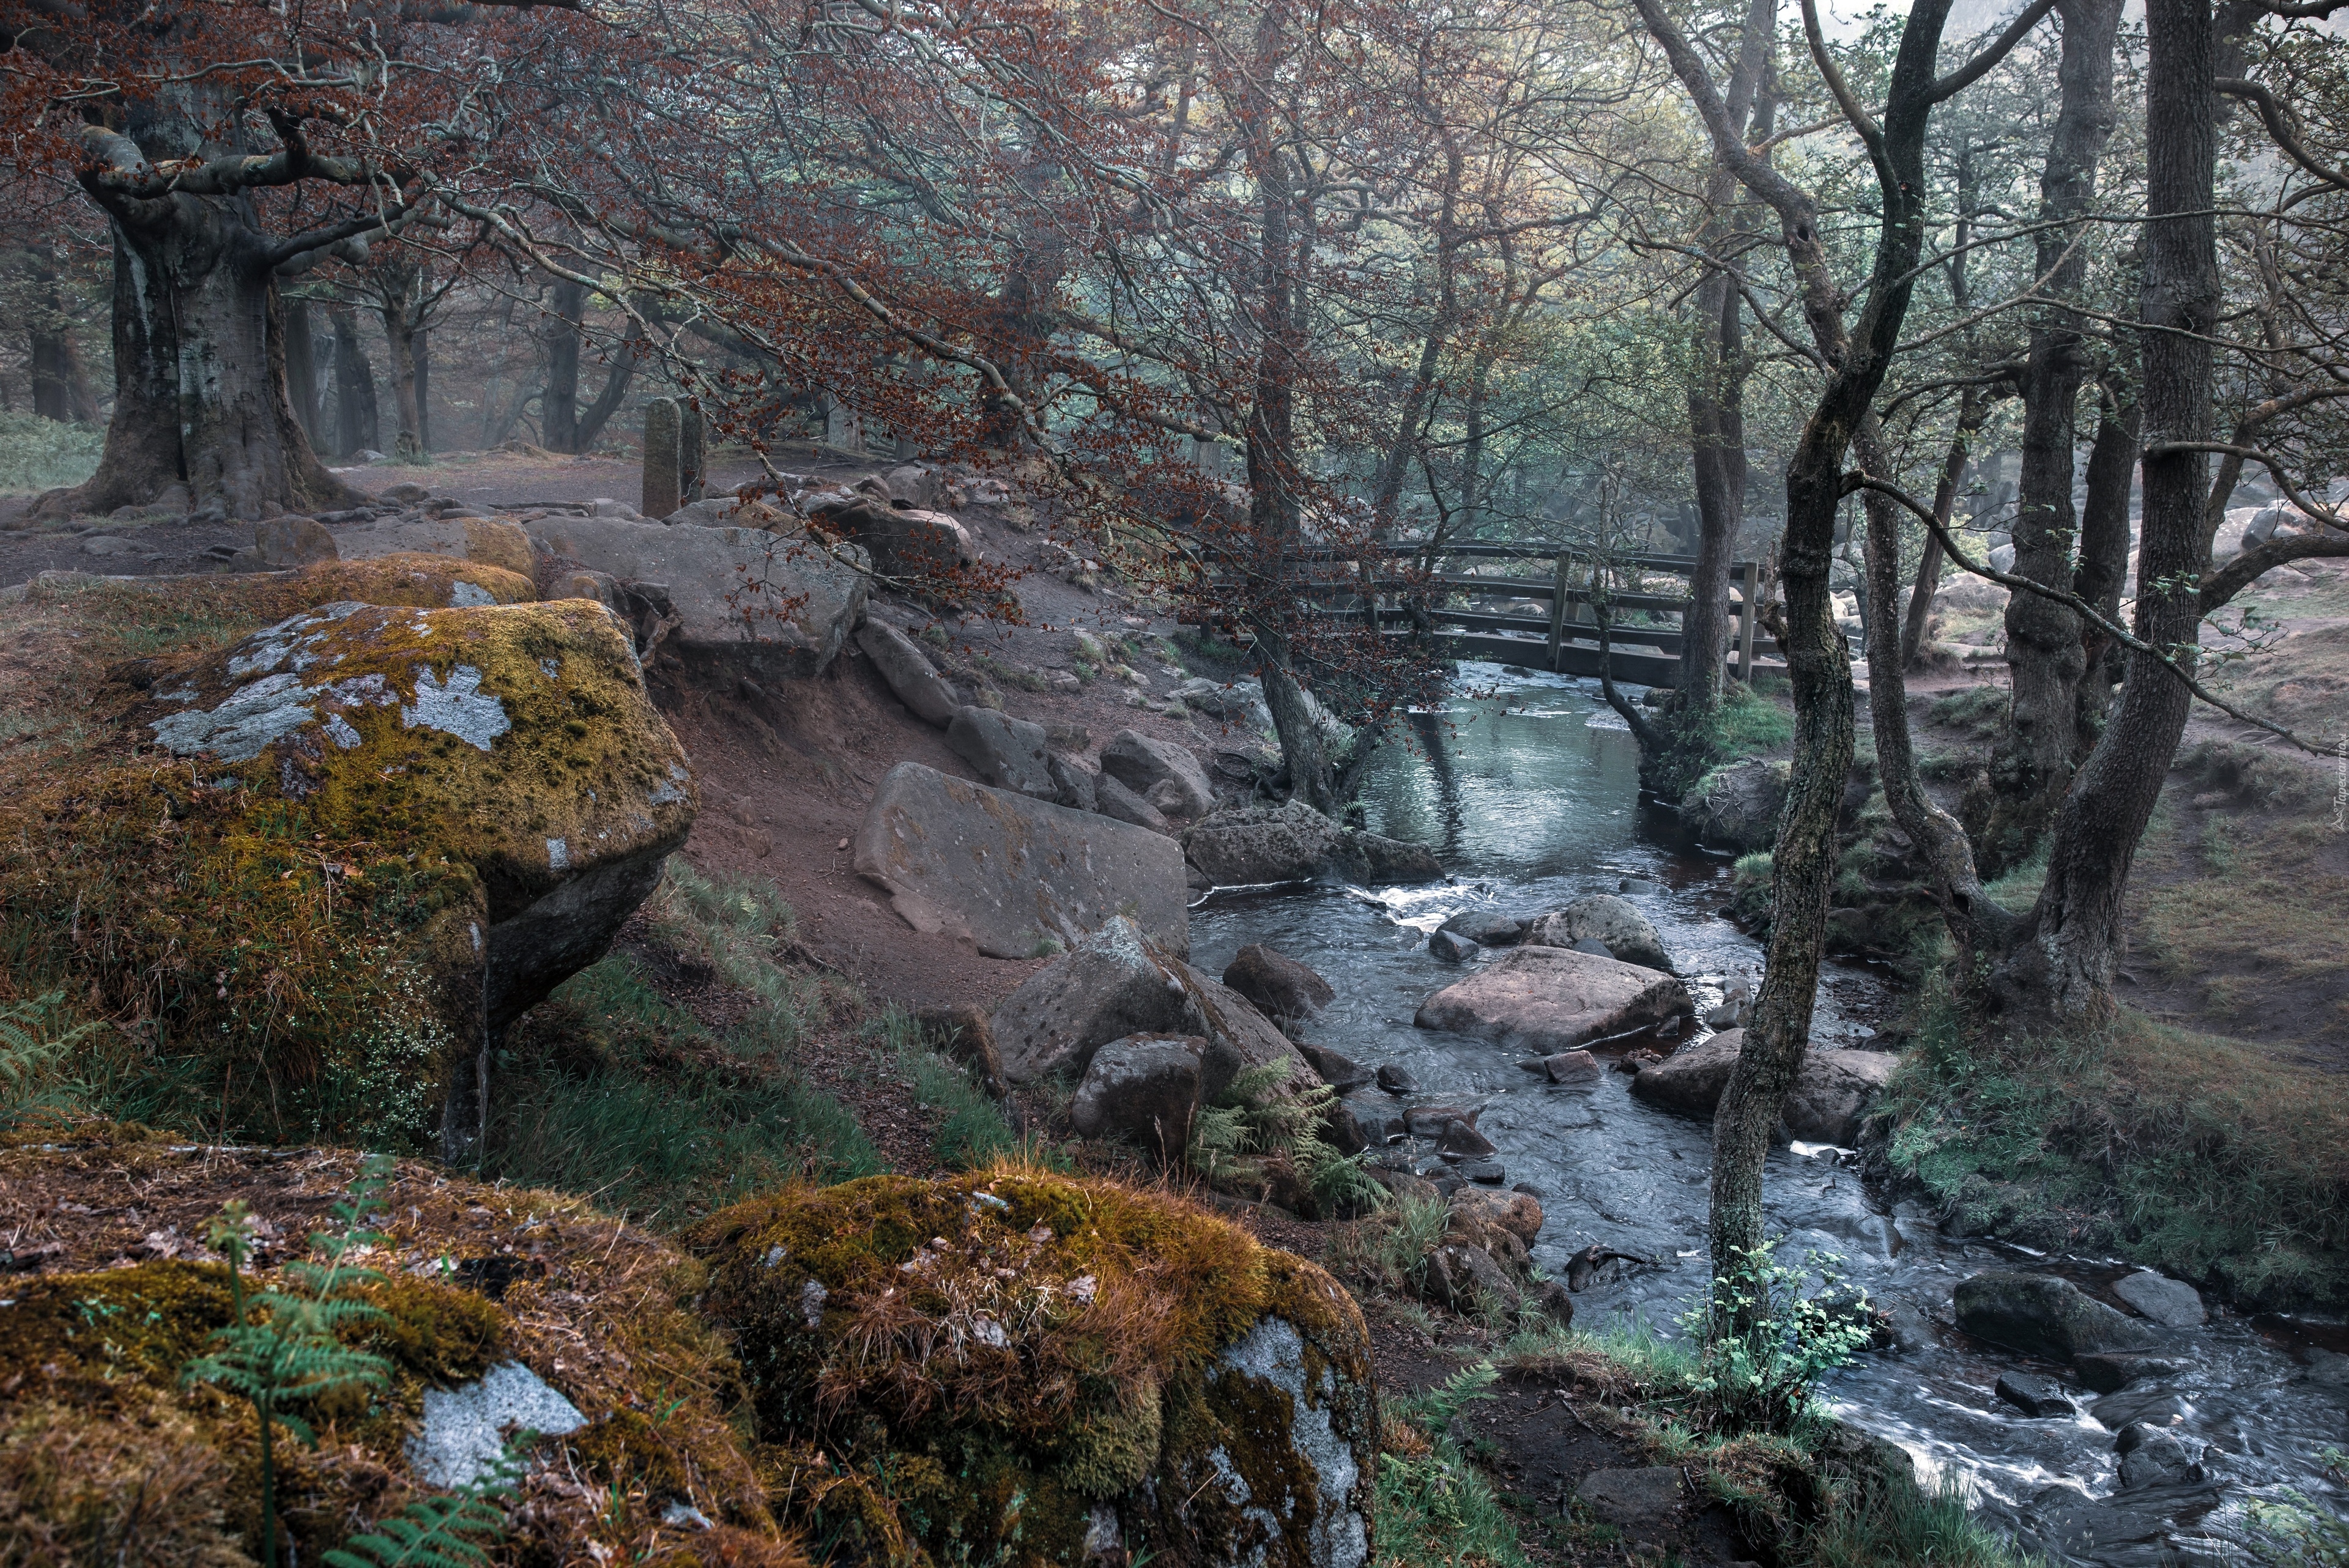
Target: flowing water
{"points": [[1527, 787]]}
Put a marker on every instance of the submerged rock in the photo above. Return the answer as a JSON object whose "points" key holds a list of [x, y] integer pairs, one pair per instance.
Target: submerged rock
{"points": [[1017, 876], [2035, 1396], [1129, 1376], [2171, 1303], [1484, 927], [1550, 999], [2043, 1314]]}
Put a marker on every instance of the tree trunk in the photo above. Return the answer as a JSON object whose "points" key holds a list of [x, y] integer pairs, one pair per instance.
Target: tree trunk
{"points": [[1973, 406], [400, 330], [2104, 555], [2033, 764], [1716, 400], [2059, 973], [421, 357], [302, 367], [201, 414], [559, 404], [1396, 465], [60, 380], [1717, 459], [589, 425], [1819, 661], [356, 426]]}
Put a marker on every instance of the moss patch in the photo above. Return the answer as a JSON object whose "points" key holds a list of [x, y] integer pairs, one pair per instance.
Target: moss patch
{"points": [[474, 1275], [975, 1365], [289, 934]]}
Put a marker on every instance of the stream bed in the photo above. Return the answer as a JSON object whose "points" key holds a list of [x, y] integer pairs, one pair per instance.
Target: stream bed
{"points": [[1526, 785]]}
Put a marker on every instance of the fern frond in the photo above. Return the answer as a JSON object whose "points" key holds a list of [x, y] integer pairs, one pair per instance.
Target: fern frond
{"points": [[451, 1531]]}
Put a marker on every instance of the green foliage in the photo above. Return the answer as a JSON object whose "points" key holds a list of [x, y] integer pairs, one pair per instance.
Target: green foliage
{"points": [[450, 1532], [1979, 710], [971, 1131], [1767, 1341], [1388, 1251], [35, 1040], [1257, 1130], [39, 454], [2297, 1531], [1436, 1507], [2153, 1143], [1907, 1526], [285, 1347]]}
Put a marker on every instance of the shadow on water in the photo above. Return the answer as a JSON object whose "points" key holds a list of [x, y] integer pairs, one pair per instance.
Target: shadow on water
{"points": [[1529, 788]]}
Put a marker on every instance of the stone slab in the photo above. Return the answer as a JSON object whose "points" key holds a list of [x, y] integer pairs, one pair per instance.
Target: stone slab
{"points": [[1008, 872]]}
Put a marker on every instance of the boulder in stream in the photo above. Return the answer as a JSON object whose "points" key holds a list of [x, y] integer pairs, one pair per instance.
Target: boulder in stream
{"points": [[2043, 1314], [1620, 931], [1832, 1091], [1245, 845], [1550, 999], [1281, 986], [2172, 1302]]}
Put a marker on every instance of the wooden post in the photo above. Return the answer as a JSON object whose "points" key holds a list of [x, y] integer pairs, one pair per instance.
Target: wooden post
{"points": [[1561, 586], [1755, 574]]}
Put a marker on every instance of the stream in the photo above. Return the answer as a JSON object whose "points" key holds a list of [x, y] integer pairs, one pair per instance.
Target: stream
{"points": [[1526, 785]]}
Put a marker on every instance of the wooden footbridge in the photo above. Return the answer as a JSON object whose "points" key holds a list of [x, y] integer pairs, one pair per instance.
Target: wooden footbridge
{"points": [[1488, 610]]}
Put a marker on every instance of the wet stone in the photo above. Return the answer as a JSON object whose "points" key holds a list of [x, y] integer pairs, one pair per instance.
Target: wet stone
{"points": [[2035, 1396], [2171, 1303], [1397, 1080], [1488, 1172], [1451, 945]]}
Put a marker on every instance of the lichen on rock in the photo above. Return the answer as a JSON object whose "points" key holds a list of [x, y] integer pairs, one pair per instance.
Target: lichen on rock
{"points": [[106, 1454], [331, 871], [1022, 1364]]}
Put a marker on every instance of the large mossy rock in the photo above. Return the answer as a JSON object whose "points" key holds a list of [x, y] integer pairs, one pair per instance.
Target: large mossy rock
{"points": [[108, 1456], [1028, 1368], [1738, 807], [351, 848], [2045, 1314]]}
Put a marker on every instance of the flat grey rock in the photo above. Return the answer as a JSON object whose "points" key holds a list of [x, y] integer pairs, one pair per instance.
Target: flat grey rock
{"points": [[2172, 1302], [1010, 873], [1551, 999], [2043, 1314], [764, 603], [462, 1433]]}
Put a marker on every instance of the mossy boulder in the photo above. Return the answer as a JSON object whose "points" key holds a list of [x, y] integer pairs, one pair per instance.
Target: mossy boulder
{"points": [[1021, 1367], [107, 1455], [325, 865]]}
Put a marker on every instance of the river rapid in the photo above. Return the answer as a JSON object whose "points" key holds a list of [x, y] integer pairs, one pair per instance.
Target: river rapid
{"points": [[1526, 785]]}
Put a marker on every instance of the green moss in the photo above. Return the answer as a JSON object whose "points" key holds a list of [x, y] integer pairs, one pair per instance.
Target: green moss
{"points": [[291, 947], [982, 1358]]}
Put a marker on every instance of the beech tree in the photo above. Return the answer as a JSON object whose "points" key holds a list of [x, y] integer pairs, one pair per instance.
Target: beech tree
{"points": [[226, 145]]}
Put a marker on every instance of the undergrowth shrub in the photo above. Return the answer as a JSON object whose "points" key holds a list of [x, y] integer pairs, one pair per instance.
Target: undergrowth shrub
{"points": [[1259, 1135], [39, 454], [2171, 1148]]}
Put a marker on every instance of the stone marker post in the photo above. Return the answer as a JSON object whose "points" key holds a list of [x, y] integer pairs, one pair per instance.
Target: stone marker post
{"points": [[661, 496], [844, 428], [691, 461]]}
